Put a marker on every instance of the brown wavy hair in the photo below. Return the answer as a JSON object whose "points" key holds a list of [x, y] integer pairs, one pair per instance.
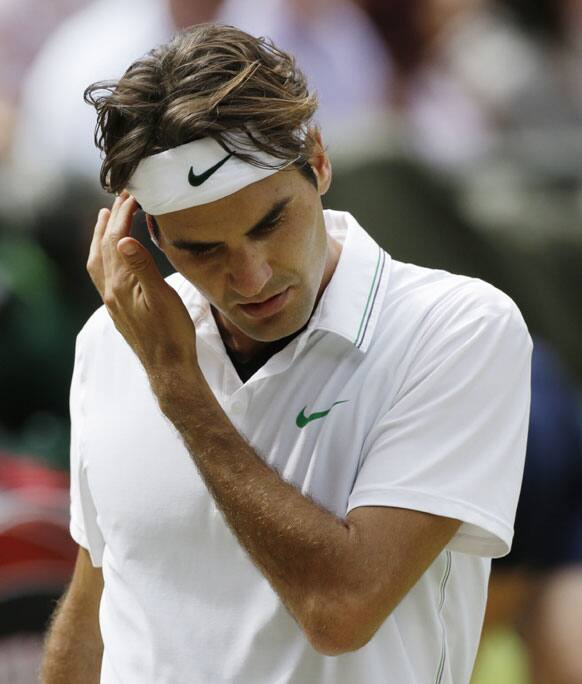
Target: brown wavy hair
{"points": [[207, 81]]}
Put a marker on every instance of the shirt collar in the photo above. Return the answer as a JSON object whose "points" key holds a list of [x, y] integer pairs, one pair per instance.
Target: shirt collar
{"points": [[351, 302], [353, 298]]}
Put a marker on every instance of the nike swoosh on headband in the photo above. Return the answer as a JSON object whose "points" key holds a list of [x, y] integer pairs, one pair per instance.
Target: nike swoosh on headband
{"points": [[197, 180]]}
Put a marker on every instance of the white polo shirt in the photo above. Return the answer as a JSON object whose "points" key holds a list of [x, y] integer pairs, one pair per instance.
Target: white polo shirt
{"points": [[421, 380]]}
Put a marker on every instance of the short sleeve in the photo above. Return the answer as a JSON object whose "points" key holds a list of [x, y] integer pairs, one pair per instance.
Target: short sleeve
{"points": [[453, 440], [83, 526]]}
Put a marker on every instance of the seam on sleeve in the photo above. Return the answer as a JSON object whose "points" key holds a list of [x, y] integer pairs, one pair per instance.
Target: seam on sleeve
{"points": [[496, 540]]}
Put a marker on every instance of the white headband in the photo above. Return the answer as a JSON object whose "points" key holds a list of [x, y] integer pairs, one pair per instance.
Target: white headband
{"points": [[196, 173]]}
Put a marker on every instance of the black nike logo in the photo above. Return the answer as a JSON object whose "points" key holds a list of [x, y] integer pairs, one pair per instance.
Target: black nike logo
{"points": [[197, 180]]}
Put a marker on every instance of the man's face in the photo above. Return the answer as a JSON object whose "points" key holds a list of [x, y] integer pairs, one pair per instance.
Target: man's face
{"points": [[266, 241]]}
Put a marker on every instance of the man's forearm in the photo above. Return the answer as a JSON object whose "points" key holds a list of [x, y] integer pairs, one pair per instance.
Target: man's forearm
{"points": [[302, 549], [72, 650]]}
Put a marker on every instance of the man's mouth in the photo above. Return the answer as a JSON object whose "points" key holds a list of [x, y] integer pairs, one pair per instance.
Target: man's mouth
{"points": [[267, 307]]}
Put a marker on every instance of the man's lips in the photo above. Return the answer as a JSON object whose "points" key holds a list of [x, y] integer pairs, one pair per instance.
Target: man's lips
{"points": [[267, 307]]}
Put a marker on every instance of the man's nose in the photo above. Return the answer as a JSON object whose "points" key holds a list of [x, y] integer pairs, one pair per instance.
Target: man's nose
{"points": [[249, 271]]}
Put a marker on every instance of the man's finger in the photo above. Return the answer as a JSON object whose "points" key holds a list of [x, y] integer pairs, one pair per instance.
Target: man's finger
{"points": [[99, 231], [95, 259], [116, 204], [100, 228], [101, 225], [141, 264], [119, 226]]}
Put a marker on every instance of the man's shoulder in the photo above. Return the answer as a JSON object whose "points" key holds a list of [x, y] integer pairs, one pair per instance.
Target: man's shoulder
{"points": [[433, 320], [422, 290], [423, 302]]}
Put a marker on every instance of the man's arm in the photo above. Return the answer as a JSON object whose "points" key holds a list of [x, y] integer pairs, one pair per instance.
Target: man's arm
{"points": [[73, 647], [340, 579]]}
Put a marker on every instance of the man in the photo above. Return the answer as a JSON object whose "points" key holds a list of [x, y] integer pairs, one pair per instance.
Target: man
{"points": [[292, 461]]}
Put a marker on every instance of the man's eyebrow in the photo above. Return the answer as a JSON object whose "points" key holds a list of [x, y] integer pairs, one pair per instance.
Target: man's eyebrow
{"points": [[273, 213]]}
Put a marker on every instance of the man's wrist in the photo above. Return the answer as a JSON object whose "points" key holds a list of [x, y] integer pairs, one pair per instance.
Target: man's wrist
{"points": [[175, 387]]}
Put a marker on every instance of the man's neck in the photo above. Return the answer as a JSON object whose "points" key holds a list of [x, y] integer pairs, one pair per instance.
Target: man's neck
{"points": [[244, 351], [246, 368]]}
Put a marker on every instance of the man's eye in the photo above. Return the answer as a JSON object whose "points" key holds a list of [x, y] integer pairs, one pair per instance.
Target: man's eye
{"points": [[203, 251], [271, 226]]}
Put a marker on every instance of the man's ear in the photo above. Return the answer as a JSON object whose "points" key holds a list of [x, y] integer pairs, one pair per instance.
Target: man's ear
{"points": [[319, 161], [154, 231]]}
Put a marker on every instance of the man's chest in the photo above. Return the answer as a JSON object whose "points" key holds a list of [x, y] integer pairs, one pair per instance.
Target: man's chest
{"points": [[143, 480]]}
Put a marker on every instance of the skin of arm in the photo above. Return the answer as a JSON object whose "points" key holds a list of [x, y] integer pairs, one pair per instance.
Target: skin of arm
{"points": [[73, 647], [339, 578]]}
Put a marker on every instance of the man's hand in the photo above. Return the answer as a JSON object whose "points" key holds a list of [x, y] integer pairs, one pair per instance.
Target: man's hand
{"points": [[145, 309]]}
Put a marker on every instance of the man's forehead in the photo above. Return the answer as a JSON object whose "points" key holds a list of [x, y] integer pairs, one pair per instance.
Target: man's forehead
{"points": [[240, 211], [189, 237]]}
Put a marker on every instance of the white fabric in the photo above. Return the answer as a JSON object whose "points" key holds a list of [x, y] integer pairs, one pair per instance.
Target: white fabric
{"points": [[433, 370], [163, 183]]}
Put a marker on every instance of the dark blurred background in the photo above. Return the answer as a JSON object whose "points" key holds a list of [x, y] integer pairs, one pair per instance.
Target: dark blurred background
{"points": [[455, 131]]}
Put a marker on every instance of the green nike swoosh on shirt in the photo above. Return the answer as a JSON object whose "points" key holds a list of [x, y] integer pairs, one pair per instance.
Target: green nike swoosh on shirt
{"points": [[302, 420]]}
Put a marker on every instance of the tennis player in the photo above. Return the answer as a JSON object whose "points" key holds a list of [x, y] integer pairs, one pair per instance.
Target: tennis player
{"points": [[293, 460]]}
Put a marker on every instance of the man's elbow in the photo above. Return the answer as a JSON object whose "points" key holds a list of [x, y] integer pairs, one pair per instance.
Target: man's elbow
{"points": [[327, 646], [342, 630]]}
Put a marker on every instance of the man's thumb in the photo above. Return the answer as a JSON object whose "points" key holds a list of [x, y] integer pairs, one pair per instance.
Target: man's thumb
{"points": [[133, 252], [140, 263]]}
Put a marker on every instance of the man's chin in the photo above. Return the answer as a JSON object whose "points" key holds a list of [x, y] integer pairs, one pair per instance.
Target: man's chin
{"points": [[268, 331], [273, 328], [284, 323]]}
